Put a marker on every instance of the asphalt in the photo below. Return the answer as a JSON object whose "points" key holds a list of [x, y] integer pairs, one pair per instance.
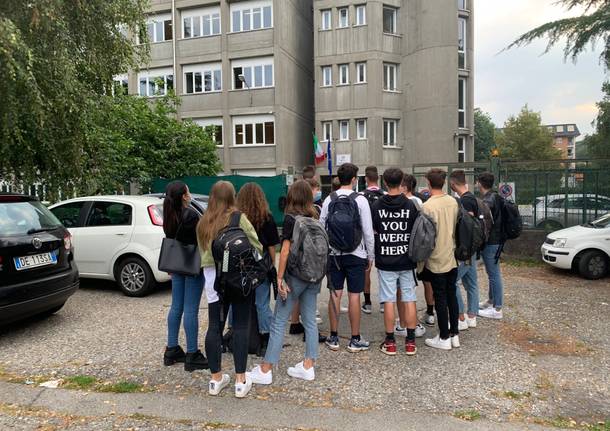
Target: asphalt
{"points": [[239, 413]]}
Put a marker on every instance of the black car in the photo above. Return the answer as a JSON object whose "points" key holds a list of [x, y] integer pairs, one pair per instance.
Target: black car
{"points": [[37, 269]]}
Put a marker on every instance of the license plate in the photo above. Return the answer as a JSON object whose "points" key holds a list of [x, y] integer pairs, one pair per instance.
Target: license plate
{"points": [[35, 261]]}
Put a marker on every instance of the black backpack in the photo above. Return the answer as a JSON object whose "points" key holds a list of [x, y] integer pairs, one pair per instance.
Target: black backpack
{"points": [[469, 235], [485, 218], [240, 268], [512, 224], [372, 196], [343, 223]]}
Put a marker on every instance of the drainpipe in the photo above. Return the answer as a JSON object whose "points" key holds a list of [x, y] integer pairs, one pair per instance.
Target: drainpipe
{"points": [[174, 21]]}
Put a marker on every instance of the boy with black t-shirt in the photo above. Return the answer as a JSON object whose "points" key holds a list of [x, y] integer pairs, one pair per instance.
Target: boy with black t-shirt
{"points": [[467, 271], [393, 217]]}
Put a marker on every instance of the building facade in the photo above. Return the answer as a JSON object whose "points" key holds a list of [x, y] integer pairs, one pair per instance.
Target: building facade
{"points": [[394, 81], [244, 67], [564, 139]]}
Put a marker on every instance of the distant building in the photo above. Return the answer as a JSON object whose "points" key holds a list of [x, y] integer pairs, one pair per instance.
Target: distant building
{"points": [[564, 138]]}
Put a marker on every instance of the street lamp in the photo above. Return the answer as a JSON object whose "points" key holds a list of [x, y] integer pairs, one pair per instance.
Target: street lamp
{"points": [[242, 78]]}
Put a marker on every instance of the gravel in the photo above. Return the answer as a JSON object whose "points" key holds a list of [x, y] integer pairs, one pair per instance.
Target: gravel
{"points": [[549, 357]]}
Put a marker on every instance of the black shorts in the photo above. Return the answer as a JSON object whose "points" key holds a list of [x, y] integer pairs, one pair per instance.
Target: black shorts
{"points": [[425, 275], [348, 268]]}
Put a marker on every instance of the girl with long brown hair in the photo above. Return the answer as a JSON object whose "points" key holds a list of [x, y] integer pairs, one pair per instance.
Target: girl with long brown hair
{"points": [[221, 206], [292, 289], [251, 201]]}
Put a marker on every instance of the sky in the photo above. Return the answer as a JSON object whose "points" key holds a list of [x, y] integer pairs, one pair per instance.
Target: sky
{"points": [[563, 92]]}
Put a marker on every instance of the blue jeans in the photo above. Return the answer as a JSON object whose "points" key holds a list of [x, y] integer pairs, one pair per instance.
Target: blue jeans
{"points": [[307, 295], [496, 290], [263, 309], [186, 297], [468, 275]]}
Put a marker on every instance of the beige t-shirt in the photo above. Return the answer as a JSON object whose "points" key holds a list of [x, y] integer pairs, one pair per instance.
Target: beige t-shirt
{"points": [[444, 211]]}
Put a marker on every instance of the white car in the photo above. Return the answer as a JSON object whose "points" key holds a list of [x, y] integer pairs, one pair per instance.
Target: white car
{"points": [[116, 238], [584, 248]]}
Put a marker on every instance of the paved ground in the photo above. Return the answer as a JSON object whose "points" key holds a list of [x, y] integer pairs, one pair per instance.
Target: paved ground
{"points": [[549, 360]]}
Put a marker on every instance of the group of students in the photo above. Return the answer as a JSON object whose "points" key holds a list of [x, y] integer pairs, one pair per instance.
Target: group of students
{"points": [[340, 239]]}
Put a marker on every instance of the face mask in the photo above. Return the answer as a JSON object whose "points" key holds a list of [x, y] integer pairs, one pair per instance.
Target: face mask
{"points": [[317, 196]]}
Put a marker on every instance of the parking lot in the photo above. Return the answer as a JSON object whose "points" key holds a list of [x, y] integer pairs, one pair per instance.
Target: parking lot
{"points": [[548, 362]]}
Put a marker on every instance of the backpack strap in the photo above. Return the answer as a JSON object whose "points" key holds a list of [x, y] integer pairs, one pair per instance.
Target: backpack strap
{"points": [[354, 195], [334, 196], [235, 219]]}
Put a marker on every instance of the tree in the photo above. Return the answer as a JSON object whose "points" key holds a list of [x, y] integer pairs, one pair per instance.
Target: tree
{"points": [[484, 130], [524, 138], [590, 27], [597, 145], [57, 57]]}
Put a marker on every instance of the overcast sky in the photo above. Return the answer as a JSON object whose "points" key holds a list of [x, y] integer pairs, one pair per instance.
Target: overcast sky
{"points": [[505, 81]]}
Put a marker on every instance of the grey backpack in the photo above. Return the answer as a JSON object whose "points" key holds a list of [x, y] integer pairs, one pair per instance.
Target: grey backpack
{"points": [[423, 238], [308, 256]]}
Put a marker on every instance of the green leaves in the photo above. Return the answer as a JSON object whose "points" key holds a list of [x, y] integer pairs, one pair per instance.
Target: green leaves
{"points": [[597, 145], [484, 131]]}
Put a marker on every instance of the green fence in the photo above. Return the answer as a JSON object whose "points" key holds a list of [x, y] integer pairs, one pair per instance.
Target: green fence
{"points": [[274, 187]]}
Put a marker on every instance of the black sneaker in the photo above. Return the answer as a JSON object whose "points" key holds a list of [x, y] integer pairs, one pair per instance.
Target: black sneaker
{"points": [[173, 355], [296, 328], [195, 361], [321, 338]]}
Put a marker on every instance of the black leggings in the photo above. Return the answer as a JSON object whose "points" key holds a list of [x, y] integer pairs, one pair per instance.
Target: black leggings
{"points": [[213, 339]]}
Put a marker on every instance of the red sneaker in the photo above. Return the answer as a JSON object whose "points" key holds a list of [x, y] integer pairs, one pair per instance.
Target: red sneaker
{"points": [[388, 347], [410, 347]]}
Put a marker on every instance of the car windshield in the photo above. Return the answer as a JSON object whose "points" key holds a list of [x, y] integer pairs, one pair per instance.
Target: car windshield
{"points": [[19, 218], [601, 222]]}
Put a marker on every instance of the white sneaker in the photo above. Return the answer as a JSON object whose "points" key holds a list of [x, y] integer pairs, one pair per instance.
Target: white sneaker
{"points": [[242, 389], [299, 372], [428, 319], [318, 313], [462, 325], [258, 377], [437, 343], [401, 332], [455, 341], [215, 387], [491, 313], [420, 330], [472, 321], [319, 320], [343, 309], [381, 308], [485, 304]]}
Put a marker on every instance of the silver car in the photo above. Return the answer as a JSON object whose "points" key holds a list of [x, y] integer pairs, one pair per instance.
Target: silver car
{"points": [[553, 212]]}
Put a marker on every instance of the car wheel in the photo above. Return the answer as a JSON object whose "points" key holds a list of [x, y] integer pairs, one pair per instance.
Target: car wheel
{"points": [[53, 310], [549, 226], [134, 277], [593, 265]]}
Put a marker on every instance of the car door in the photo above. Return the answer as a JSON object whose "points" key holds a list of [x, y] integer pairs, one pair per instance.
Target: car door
{"points": [[72, 215], [107, 230]]}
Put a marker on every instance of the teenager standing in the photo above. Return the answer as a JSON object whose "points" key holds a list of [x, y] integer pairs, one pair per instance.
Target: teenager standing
{"points": [[291, 289], [221, 208], [180, 223], [252, 202]]}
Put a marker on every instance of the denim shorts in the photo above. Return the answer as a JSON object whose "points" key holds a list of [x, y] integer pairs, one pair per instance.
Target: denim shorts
{"points": [[391, 281]]}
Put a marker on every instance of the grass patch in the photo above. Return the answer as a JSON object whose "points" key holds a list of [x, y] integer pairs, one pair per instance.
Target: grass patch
{"points": [[535, 343], [79, 382], [214, 425], [600, 426], [122, 387], [467, 415], [516, 395]]}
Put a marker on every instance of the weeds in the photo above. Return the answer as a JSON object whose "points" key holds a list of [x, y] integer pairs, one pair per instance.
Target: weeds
{"points": [[467, 415]]}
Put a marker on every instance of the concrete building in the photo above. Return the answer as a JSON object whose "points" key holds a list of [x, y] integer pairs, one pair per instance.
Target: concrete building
{"points": [[243, 66], [394, 81], [564, 138]]}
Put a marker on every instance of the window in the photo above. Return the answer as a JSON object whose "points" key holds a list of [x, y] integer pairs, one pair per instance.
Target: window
{"points": [[343, 17], [159, 28], [571, 128], [327, 76], [361, 15], [559, 129], [461, 149], [389, 77], [343, 74], [461, 4], [255, 130], [244, 18], [120, 85], [570, 153], [109, 214], [214, 127], [257, 73], [155, 82], [462, 43], [361, 129], [327, 131], [462, 103], [326, 19], [389, 19], [558, 141], [360, 73], [344, 130], [389, 133], [69, 214], [201, 22], [202, 78]]}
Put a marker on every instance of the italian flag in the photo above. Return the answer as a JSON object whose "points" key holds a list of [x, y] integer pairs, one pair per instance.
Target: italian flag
{"points": [[320, 155]]}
